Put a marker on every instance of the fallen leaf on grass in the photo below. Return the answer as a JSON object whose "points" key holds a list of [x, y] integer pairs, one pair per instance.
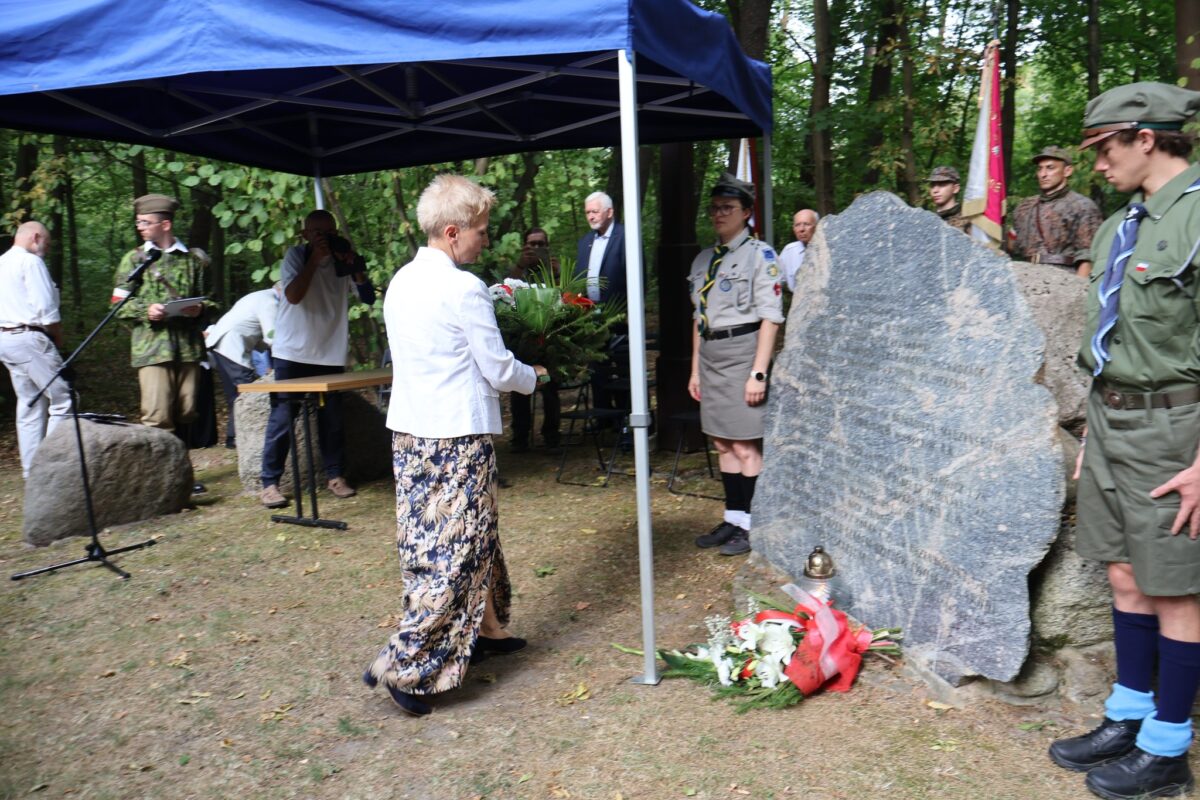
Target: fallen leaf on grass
{"points": [[108, 673], [581, 606], [272, 610], [140, 767], [524, 778], [180, 659], [944, 745], [39, 787], [1033, 726], [681, 596], [314, 568], [240, 637], [588, 530], [580, 692], [154, 618], [227, 743], [277, 713], [938, 706], [559, 791], [542, 572], [238, 696], [265, 695]]}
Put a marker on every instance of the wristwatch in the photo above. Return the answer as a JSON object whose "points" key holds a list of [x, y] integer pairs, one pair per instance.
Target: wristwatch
{"points": [[761, 377]]}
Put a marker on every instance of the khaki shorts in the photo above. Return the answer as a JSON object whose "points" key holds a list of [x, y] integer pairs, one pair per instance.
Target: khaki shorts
{"points": [[1130, 452]]}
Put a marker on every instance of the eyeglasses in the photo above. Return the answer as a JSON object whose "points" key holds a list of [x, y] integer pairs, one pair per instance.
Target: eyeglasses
{"points": [[722, 210], [146, 223]]}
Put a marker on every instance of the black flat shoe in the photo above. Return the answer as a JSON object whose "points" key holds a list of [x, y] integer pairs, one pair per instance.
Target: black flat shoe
{"points": [[408, 703], [1139, 775], [1107, 742], [718, 535], [370, 680], [501, 647]]}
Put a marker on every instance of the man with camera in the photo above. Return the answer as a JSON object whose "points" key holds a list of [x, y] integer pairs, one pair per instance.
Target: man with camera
{"points": [[312, 337]]}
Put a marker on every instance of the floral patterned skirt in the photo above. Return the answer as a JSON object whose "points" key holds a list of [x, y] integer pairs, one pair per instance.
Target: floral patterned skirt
{"points": [[449, 556]]}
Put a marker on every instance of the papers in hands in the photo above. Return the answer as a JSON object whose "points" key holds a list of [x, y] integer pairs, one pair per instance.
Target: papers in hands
{"points": [[175, 308]]}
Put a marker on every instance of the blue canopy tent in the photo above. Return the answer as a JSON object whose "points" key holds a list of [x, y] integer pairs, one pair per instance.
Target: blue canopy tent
{"points": [[329, 87]]}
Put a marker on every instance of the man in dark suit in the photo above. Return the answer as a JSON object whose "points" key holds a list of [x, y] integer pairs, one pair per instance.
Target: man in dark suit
{"points": [[601, 259]]}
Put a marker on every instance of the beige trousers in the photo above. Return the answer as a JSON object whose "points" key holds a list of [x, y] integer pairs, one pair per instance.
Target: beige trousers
{"points": [[169, 394]]}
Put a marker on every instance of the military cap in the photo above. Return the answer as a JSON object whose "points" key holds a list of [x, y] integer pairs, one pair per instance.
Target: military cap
{"points": [[943, 174], [155, 204], [1134, 106], [1057, 153], [729, 186]]}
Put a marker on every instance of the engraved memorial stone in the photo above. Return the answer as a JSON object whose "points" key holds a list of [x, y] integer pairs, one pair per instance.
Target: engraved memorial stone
{"points": [[907, 436]]}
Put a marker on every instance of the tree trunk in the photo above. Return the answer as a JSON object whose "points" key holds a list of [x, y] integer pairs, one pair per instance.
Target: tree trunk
{"points": [[1008, 111], [912, 189], [1093, 48], [27, 159], [138, 167], [72, 247], [822, 151], [881, 80], [58, 202], [1187, 42], [524, 185]]}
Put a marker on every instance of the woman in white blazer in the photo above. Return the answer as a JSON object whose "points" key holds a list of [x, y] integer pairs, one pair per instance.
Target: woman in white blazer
{"points": [[449, 367]]}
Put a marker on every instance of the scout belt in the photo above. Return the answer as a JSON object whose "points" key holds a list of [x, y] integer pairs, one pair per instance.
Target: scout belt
{"points": [[1124, 401], [736, 330], [1051, 258], [22, 328]]}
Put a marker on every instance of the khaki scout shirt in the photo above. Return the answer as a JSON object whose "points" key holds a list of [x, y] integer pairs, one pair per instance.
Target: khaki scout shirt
{"points": [[747, 288], [179, 274], [1155, 345]]}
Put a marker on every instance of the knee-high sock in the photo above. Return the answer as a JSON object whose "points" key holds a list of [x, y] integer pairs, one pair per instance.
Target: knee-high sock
{"points": [[1136, 640], [1178, 677], [735, 502], [748, 482]]}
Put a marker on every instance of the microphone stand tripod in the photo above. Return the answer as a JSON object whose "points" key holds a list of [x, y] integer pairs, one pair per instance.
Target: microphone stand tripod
{"points": [[96, 552]]}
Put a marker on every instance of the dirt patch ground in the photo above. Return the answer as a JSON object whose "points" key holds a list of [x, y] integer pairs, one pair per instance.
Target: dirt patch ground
{"points": [[229, 667]]}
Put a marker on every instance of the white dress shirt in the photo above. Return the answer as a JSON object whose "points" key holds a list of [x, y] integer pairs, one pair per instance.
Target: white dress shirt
{"points": [[595, 258], [250, 322], [449, 363], [317, 329], [790, 259], [27, 295]]}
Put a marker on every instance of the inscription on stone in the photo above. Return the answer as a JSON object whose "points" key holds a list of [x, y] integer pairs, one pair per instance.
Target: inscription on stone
{"points": [[906, 435]]}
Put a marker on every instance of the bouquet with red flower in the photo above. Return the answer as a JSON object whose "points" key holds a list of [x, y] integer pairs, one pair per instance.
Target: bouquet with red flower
{"points": [[778, 654], [550, 321]]}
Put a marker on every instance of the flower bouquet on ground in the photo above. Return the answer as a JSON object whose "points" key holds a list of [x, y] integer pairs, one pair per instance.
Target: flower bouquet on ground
{"points": [[778, 655], [550, 321]]}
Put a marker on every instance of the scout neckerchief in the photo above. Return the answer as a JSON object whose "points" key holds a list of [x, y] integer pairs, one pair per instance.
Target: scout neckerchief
{"points": [[709, 279], [1110, 287]]}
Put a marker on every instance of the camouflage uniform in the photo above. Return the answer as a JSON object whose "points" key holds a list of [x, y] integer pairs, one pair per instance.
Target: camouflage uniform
{"points": [[1054, 229], [954, 218], [178, 274]]}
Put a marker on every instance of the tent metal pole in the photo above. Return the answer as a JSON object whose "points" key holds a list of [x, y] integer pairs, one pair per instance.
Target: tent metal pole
{"points": [[768, 192], [317, 193], [639, 419]]}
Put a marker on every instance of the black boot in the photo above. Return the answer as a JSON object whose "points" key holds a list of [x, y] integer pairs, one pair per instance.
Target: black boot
{"points": [[1141, 774], [1108, 742]]}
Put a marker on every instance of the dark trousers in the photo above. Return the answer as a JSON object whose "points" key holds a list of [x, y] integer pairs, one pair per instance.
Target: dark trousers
{"points": [[232, 373], [283, 411], [522, 414]]}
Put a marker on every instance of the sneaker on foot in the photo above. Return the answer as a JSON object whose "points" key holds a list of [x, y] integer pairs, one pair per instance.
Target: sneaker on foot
{"points": [[718, 535], [271, 497]]}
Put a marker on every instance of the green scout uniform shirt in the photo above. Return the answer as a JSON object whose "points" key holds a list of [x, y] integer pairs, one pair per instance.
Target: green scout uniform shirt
{"points": [[174, 339], [747, 287], [1155, 345]]}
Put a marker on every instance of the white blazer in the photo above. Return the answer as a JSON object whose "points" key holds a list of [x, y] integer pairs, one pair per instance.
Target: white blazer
{"points": [[449, 363]]}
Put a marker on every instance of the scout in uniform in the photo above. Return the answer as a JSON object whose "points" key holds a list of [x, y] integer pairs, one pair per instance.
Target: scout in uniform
{"points": [[1139, 480], [1057, 226], [738, 310], [166, 348], [944, 185]]}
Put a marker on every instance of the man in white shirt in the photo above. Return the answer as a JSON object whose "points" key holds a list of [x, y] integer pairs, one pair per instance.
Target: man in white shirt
{"points": [[30, 333], [804, 225], [248, 326], [312, 337]]}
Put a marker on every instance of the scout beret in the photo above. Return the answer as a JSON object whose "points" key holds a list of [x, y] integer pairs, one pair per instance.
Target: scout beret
{"points": [[943, 175], [155, 204], [1157, 106], [1057, 153], [729, 186]]}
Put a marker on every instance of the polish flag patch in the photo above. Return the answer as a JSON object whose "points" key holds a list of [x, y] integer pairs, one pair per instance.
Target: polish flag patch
{"points": [[1141, 267], [119, 294]]}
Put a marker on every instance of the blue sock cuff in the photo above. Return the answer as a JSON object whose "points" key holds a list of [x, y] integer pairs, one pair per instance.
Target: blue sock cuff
{"points": [[1124, 703], [1183, 653], [1164, 738]]}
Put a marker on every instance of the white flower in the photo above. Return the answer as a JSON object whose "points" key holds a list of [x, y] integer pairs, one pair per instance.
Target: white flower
{"points": [[724, 670], [769, 673], [776, 643], [498, 292], [514, 283], [701, 654], [749, 633]]}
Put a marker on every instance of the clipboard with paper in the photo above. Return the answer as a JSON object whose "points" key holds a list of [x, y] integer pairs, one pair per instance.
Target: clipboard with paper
{"points": [[175, 308]]}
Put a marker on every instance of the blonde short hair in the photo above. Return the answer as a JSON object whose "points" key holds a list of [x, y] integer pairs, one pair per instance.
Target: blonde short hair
{"points": [[452, 200]]}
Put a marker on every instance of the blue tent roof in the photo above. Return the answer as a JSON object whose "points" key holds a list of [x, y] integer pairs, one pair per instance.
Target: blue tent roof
{"points": [[341, 86]]}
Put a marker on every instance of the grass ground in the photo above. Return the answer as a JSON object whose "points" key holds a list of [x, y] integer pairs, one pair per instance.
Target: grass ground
{"points": [[229, 667]]}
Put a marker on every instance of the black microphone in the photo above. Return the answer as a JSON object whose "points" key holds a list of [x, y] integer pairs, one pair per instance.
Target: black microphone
{"points": [[147, 259]]}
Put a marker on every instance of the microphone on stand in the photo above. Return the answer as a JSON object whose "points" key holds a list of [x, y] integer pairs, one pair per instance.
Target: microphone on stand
{"points": [[147, 259]]}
